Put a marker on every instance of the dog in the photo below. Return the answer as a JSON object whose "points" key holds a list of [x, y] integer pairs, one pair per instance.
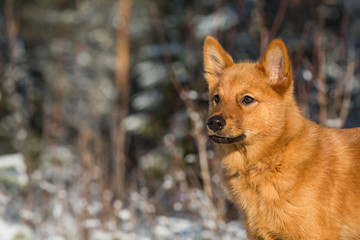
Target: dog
{"points": [[292, 179]]}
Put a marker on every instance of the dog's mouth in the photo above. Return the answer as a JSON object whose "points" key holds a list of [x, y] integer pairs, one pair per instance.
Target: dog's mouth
{"points": [[226, 140]]}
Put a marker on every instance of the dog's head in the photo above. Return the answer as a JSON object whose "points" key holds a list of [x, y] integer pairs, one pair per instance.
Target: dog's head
{"points": [[247, 101]]}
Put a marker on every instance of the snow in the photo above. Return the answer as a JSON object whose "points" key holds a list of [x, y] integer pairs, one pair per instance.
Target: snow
{"points": [[166, 228], [10, 231], [13, 169], [191, 216]]}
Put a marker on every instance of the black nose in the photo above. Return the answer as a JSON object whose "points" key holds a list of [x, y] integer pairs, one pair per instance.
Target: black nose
{"points": [[216, 123]]}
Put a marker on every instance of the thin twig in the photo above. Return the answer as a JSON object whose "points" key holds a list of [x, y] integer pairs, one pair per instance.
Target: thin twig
{"points": [[349, 80], [343, 56], [303, 94], [322, 99], [278, 19], [241, 17], [266, 35], [321, 78]]}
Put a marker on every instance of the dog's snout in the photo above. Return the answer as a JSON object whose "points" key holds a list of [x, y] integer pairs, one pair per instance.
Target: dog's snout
{"points": [[216, 123]]}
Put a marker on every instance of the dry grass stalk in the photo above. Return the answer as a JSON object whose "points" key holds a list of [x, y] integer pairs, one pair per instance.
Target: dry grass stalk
{"points": [[123, 93]]}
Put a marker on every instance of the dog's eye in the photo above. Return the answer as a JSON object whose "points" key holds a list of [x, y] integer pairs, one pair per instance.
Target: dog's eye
{"points": [[248, 100], [216, 98]]}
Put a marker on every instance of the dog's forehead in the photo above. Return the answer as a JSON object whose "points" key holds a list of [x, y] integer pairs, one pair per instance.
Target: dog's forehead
{"points": [[243, 75]]}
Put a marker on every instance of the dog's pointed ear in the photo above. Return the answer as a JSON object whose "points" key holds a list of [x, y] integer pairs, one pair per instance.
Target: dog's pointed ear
{"points": [[277, 66], [216, 60]]}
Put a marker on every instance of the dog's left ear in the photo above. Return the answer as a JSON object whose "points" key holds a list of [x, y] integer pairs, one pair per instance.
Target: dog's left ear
{"points": [[277, 66]]}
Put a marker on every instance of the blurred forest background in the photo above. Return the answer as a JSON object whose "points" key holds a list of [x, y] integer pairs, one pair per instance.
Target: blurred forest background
{"points": [[103, 104]]}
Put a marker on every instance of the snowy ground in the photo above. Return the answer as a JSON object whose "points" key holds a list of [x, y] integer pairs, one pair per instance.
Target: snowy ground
{"points": [[61, 212], [15, 231], [166, 228]]}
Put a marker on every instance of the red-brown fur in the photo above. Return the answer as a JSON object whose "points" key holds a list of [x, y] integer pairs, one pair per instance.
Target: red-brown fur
{"points": [[292, 178]]}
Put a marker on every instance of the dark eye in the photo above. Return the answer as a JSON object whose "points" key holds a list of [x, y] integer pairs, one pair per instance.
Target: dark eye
{"points": [[248, 100], [216, 98]]}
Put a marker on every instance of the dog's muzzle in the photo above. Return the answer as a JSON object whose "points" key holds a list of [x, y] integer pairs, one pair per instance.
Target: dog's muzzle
{"points": [[218, 123]]}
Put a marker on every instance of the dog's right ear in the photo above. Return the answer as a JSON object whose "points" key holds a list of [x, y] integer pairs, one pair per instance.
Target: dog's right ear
{"points": [[216, 60], [277, 66]]}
